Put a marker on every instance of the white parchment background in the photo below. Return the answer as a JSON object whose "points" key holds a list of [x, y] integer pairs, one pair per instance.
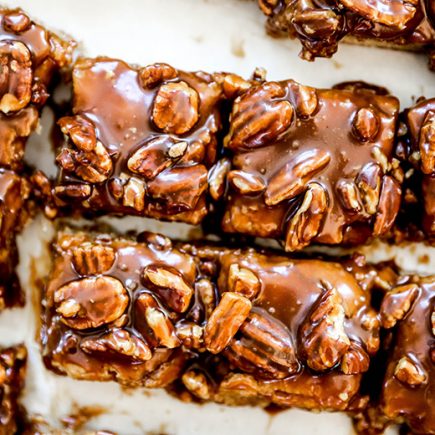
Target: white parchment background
{"points": [[190, 34]]}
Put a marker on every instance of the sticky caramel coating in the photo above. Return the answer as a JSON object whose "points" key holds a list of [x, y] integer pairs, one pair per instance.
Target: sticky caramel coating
{"points": [[417, 143], [12, 373], [311, 165], [14, 190], [409, 386], [203, 321], [140, 142], [29, 55], [320, 25]]}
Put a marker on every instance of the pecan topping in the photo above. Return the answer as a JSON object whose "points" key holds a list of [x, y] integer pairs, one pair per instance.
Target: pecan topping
{"points": [[157, 241], [246, 183], [397, 303], [93, 259], [217, 177], [176, 108], [16, 22], [162, 327], [169, 285], [306, 99], [366, 124], [307, 222], [225, 321], [322, 335], [133, 194], [207, 295], [80, 130], [152, 158], [233, 85], [244, 281], [369, 184], [264, 345], [292, 178], [118, 341], [432, 320], [267, 6], [259, 116], [348, 195], [15, 76], [410, 372], [394, 14], [316, 23], [191, 335], [388, 207], [197, 383], [355, 360], [91, 302], [152, 75], [77, 191], [427, 144]]}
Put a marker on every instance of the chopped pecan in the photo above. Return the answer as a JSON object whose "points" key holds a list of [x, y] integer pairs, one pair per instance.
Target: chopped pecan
{"points": [[232, 310], [397, 303], [427, 144], [316, 23], [158, 241], [267, 6], [170, 285], [162, 327], [191, 335], [179, 188], [134, 194], [15, 76], [292, 178], [217, 178], [369, 185], [16, 21], [322, 335], [118, 341], [366, 124], [91, 302], [207, 295], [80, 191], [388, 207], [410, 372], [90, 259], [232, 84], [348, 195], [80, 130], [152, 157], [176, 108], [259, 116], [197, 383], [307, 222], [355, 360], [93, 166], [245, 182], [306, 99], [264, 346], [152, 75], [244, 281], [370, 322], [395, 14]]}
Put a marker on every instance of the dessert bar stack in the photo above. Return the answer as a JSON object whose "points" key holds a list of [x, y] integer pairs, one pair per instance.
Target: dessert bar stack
{"points": [[228, 321]]}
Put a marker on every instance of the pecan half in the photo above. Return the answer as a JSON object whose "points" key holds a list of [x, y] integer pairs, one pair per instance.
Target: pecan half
{"points": [[292, 178], [264, 346], [388, 207], [217, 178], [162, 327], [348, 195], [246, 183], [80, 130], [91, 302], [133, 194], [355, 360], [80, 191], [16, 22], [366, 124], [306, 99], [322, 336], [176, 108], [369, 185], [232, 310], [307, 222], [259, 116], [152, 75], [395, 14], [90, 259], [207, 296], [120, 342], [427, 144], [15, 76], [244, 281], [397, 303], [410, 372], [170, 285], [197, 383]]}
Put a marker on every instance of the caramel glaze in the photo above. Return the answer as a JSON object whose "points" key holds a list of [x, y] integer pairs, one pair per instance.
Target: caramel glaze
{"points": [[320, 25], [12, 375], [413, 338], [323, 124], [147, 111], [87, 335]]}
